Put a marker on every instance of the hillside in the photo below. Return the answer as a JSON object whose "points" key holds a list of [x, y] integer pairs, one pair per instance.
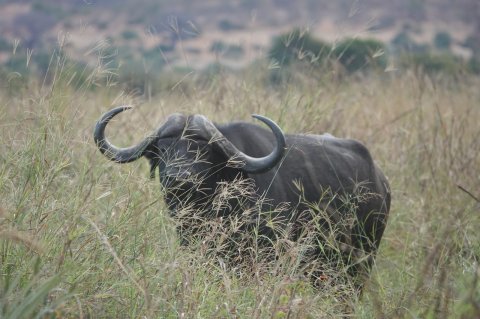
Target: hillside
{"points": [[235, 33]]}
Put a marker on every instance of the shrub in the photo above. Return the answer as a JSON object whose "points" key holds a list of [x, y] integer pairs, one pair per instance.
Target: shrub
{"points": [[18, 63], [129, 35], [383, 23], [42, 61], [133, 76], [442, 40], [472, 42], [162, 47], [227, 50], [298, 46], [102, 25], [433, 63], [5, 45], [218, 46], [402, 41], [227, 25], [474, 65], [359, 54]]}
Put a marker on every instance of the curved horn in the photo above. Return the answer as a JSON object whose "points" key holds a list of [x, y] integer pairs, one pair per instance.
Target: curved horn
{"points": [[113, 153], [251, 164]]}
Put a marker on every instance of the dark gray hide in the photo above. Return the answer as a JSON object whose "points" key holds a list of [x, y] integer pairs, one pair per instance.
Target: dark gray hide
{"points": [[311, 173]]}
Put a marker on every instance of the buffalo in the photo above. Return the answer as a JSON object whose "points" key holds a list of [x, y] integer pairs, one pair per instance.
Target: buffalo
{"points": [[292, 181]]}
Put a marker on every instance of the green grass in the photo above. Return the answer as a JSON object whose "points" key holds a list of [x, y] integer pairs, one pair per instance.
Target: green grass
{"points": [[84, 237]]}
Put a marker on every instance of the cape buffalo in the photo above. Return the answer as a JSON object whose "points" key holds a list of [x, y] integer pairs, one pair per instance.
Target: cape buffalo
{"points": [[298, 178]]}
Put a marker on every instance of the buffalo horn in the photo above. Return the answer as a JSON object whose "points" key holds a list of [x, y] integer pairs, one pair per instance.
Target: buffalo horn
{"points": [[116, 154], [250, 164]]}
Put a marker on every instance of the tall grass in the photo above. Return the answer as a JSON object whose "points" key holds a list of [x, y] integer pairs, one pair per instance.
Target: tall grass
{"points": [[84, 237]]}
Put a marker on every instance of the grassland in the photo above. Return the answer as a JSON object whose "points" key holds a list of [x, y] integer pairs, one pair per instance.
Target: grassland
{"points": [[81, 237]]}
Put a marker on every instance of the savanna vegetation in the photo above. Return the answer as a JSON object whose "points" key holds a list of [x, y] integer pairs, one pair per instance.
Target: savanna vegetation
{"points": [[82, 237]]}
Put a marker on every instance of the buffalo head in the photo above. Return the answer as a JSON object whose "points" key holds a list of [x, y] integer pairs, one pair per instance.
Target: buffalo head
{"points": [[190, 153]]}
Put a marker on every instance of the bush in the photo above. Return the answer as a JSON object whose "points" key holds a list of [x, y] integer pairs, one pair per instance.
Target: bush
{"points": [[133, 77], [18, 63], [383, 23], [472, 42], [402, 41], [162, 47], [474, 65], [5, 45], [129, 35], [442, 40], [298, 46], [227, 25], [227, 50], [433, 63], [102, 25], [359, 54], [42, 61]]}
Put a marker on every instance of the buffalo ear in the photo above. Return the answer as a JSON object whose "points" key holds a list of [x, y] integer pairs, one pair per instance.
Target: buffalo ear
{"points": [[153, 167], [152, 154]]}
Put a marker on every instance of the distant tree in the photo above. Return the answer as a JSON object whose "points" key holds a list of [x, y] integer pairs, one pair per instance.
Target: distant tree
{"points": [[474, 65], [473, 43], [227, 25], [129, 35], [473, 40], [360, 54], [445, 63], [180, 27], [102, 25], [403, 42], [298, 45], [5, 45], [227, 50], [442, 40], [42, 62]]}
